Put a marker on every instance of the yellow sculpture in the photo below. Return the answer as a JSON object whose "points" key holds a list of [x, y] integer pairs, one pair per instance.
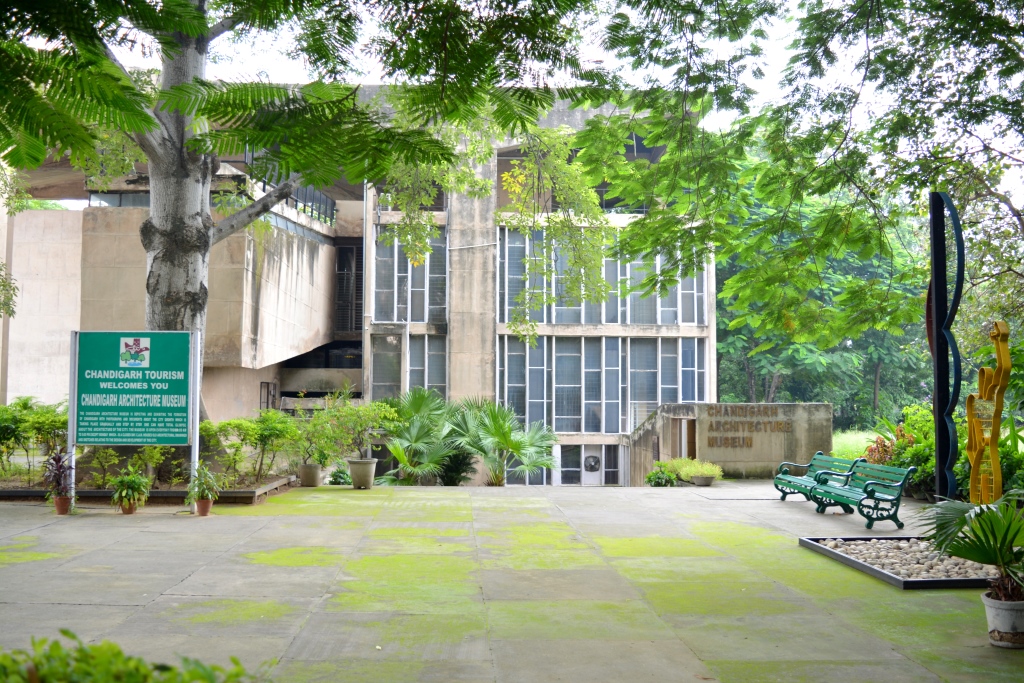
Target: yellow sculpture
{"points": [[984, 416]]}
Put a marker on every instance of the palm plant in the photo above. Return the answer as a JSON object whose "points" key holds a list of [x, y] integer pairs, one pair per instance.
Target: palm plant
{"points": [[990, 534], [496, 435], [420, 442]]}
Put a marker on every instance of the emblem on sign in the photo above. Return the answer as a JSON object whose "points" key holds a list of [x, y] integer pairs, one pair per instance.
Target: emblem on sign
{"points": [[134, 352]]}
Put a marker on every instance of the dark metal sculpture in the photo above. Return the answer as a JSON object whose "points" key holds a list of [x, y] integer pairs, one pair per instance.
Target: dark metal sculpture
{"points": [[940, 315]]}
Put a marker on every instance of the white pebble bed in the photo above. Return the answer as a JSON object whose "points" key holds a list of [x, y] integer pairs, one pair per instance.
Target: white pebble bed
{"points": [[910, 559]]}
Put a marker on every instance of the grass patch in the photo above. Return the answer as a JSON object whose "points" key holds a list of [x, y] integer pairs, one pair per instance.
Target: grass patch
{"points": [[425, 584], [851, 445], [349, 671], [18, 552], [574, 619], [535, 546], [324, 501], [653, 546], [233, 612]]}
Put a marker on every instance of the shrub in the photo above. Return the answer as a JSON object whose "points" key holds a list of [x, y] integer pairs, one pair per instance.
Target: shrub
{"points": [[150, 458], [660, 476], [101, 460], [340, 477], [50, 661], [204, 486], [685, 469]]}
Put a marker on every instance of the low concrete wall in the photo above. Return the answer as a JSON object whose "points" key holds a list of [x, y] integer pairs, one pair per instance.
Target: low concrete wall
{"points": [[748, 440]]}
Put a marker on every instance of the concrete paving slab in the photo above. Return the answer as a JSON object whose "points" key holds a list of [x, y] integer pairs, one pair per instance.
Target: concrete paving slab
{"points": [[596, 661], [517, 584], [579, 584]]}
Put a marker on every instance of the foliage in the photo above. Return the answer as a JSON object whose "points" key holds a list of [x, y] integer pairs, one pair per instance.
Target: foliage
{"points": [[988, 534], [270, 432], [8, 291], [661, 476], [232, 436], [48, 425], [13, 435], [493, 433], [57, 475], [340, 477], [850, 445], [149, 458], [50, 661], [553, 205], [352, 426], [315, 437], [129, 487], [204, 485], [101, 460], [685, 469]]}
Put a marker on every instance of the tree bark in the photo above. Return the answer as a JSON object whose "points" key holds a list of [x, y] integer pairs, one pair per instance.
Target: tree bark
{"points": [[773, 388], [176, 236], [878, 382], [751, 380]]}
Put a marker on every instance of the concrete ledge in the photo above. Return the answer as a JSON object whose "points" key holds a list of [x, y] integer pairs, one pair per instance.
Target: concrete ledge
{"points": [[176, 497]]}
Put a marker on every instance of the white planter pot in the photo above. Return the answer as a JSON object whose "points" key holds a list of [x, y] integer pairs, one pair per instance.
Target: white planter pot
{"points": [[702, 481], [309, 475], [1005, 622], [362, 471]]}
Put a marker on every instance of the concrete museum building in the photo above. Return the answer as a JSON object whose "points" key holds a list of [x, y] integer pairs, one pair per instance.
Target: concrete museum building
{"points": [[321, 300]]}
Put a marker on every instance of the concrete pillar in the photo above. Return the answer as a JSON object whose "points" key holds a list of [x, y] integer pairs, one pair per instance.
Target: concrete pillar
{"points": [[472, 314]]}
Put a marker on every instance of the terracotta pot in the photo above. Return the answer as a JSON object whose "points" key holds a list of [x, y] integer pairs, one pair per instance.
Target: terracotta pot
{"points": [[702, 481], [203, 507], [362, 471], [63, 504], [128, 509], [309, 475], [1005, 622]]}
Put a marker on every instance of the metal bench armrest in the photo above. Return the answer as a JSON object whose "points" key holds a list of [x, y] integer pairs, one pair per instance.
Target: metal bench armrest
{"points": [[783, 469], [870, 486], [820, 477]]}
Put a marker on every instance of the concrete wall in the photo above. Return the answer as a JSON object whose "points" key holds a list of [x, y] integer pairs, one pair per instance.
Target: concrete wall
{"points": [[746, 439], [235, 392], [472, 312], [271, 296], [42, 250]]}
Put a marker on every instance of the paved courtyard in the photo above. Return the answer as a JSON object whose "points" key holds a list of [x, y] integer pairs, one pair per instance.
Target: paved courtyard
{"points": [[509, 585]]}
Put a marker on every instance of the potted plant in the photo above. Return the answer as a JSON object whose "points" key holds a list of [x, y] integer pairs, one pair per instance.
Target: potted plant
{"points": [[315, 432], [130, 490], [660, 476], [703, 473], [57, 477], [990, 534], [203, 489]]}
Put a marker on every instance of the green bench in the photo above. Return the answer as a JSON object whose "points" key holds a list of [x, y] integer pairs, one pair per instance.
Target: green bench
{"points": [[787, 484], [874, 489]]}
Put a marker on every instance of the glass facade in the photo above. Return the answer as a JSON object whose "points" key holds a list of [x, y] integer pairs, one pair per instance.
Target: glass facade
{"points": [[406, 292], [600, 384], [682, 304], [428, 366]]}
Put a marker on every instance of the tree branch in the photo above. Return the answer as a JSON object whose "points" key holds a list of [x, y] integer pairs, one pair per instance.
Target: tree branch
{"points": [[240, 219], [223, 26], [149, 141]]}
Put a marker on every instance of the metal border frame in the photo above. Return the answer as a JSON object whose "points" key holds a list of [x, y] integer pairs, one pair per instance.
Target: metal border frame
{"points": [[813, 543]]}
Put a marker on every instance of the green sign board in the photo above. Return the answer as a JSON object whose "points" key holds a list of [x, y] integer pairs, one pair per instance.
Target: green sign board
{"points": [[132, 388]]}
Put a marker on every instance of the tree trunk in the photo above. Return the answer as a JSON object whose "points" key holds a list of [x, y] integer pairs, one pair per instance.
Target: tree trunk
{"points": [[751, 380], [176, 236], [776, 382], [878, 382]]}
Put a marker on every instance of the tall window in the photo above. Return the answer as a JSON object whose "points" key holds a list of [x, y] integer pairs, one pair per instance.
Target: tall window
{"points": [[408, 292], [598, 384], [428, 362], [386, 368], [682, 304]]}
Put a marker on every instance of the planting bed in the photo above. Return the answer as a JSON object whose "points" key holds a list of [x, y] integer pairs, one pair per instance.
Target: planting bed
{"points": [[167, 496], [905, 562]]}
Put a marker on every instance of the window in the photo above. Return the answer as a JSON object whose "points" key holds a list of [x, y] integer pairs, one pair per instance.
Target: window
{"points": [[643, 379], [406, 292], [568, 384], [428, 362], [570, 466], [597, 384], [592, 384], [348, 299], [611, 465], [692, 296], [692, 369], [268, 395], [386, 366]]}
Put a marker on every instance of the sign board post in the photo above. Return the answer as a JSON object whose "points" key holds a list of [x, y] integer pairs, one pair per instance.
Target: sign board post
{"points": [[133, 389]]}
